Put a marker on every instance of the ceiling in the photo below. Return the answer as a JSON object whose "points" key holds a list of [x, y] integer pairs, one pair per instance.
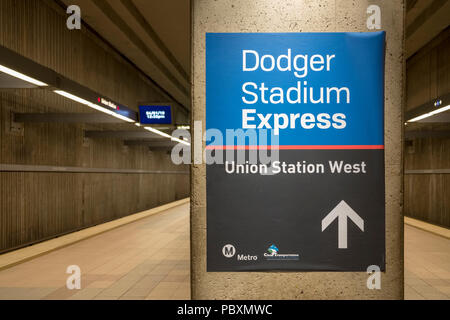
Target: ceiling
{"points": [[425, 19], [154, 35]]}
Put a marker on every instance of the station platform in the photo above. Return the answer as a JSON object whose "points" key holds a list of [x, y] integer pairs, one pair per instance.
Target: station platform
{"points": [[427, 264], [146, 259], [149, 259]]}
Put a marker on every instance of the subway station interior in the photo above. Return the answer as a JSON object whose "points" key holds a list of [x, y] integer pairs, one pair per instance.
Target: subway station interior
{"points": [[94, 204]]}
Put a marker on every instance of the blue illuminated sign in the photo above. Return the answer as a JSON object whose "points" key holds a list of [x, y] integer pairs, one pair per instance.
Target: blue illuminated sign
{"points": [[155, 114]]}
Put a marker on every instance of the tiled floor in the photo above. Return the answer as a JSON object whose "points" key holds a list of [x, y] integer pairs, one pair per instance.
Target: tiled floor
{"points": [[427, 265], [147, 259]]}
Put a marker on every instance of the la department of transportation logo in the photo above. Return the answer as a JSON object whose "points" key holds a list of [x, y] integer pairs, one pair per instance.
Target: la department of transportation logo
{"points": [[229, 251], [273, 250], [273, 254]]}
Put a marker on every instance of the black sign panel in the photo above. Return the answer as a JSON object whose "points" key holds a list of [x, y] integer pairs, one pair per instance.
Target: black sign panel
{"points": [[253, 213]]}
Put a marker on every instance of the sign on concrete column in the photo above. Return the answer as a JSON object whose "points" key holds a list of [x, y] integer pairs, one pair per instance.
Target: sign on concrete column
{"points": [[314, 102]]}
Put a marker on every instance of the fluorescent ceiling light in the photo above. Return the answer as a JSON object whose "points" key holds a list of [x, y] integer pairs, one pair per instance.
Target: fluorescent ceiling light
{"points": [[158, 132], [119, 116], [22, 76], [429, 114], [92, 105], [166, 135]]}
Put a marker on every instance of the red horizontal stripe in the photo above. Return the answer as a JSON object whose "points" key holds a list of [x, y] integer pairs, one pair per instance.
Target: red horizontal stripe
{"points": [[356, 147]]}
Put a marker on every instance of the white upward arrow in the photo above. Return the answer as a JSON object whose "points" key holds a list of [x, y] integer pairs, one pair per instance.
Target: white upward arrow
{"points": [[342, 211]]}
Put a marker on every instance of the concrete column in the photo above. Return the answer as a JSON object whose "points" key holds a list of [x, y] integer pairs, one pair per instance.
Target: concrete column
{"points": [[302, 16]]}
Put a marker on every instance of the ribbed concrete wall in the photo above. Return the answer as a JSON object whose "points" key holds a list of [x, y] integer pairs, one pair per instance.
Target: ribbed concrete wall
{"points": [[302, 16], [35, 206], [427, 196], [427, 72]]}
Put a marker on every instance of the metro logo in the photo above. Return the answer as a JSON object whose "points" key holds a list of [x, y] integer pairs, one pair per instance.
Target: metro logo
{"points": [[228, 251]]}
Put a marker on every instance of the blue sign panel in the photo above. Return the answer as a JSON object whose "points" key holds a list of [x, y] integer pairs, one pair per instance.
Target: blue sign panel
{"points": [[309, 88], [315, 201], [155, 114]]}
